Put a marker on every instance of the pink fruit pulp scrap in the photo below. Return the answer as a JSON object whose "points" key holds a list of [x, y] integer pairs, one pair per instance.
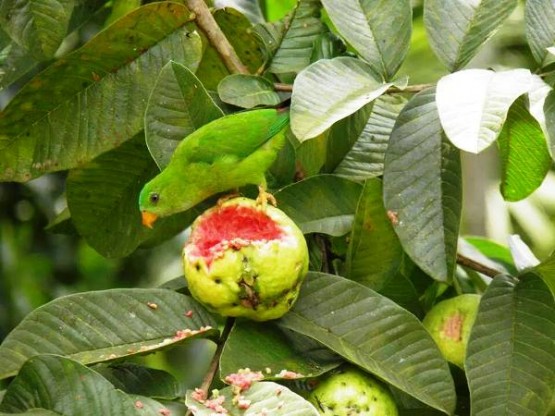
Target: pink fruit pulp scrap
{"points": [[235, 226]]}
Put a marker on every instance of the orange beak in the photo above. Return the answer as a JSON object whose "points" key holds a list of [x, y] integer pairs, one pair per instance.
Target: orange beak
{"points": [[148, 218]]}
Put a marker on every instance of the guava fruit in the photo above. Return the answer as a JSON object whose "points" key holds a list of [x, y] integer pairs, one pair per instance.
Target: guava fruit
{"points": [[449, 323], [352, 392], [245, 259]]}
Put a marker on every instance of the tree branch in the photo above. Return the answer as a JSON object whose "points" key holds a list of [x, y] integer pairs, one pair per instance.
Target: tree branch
{"points": [[214, 364], [474, 265], [216, 37]]}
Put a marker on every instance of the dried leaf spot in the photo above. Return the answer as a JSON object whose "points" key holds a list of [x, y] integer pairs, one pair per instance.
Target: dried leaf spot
{"points": [[189, 313], [452, 327], [393, 217], [139, 404], [165, 412], [152, 305]]}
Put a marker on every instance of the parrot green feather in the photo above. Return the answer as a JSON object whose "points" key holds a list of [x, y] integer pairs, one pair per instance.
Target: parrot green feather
{"points": [[225, 154]]}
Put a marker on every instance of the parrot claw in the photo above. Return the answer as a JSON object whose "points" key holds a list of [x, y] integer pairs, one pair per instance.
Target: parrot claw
{"points": [[227, 197], [265, 197]]}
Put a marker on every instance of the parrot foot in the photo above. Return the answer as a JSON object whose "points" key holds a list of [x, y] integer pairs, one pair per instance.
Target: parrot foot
{"points": [[265, 197]]}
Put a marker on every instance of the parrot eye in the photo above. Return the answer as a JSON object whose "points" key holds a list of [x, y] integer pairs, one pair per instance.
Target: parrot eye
{"points": [[154, 197]]}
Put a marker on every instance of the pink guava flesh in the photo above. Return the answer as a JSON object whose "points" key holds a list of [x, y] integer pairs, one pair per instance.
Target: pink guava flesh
{"points": [[236, 226]]}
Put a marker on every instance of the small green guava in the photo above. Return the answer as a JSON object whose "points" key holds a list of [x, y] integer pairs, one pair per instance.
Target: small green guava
{"points": [[449, 323], [352, 392], [244, 259]]}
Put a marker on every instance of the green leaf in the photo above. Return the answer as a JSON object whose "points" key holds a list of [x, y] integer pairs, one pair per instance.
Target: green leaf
{"points": [[540, 27], [375, 257], [374, 333], [320, 204], [135, 379], [379, 31], [546, 270], [177, 106], [264, 398], [330, 90], [510, 362], [38, 26], [457, 28], [15, 61], [251, 9], [301, 30], [366, 157], [33, 412], [248, 91], [549, 111], [264, 348], [311, 155], [65, 387], [104, 325], [422, 187], [103, 197], [525, 159], [493, 251], [240, 34], [93, 99], [473, 104]]}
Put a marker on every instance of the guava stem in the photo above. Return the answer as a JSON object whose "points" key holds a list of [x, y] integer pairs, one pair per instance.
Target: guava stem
{"points": [[214, 364], [474, 265]]}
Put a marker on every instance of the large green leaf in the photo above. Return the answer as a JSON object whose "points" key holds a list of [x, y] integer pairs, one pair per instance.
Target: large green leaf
{"points": [[546, 269], [378, 30], [473, 104], [365, 159], [66, 387], [262, 398], [525, 158], [321, 204], [549, 111], [263, 347], [457, 28], [94, 98], [15, 60], [422, 187], [540, 27], [248, 91], [103, 197], [375, 257], [510, 362], [302, 28], [135, 379], [330, 90], [38, 26], [177, 106], [104, 325], [374, 333], [34, 412]]}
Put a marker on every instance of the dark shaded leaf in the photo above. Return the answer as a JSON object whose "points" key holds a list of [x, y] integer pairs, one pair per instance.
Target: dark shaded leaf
{"points": [[422, 187], [104, 325], [540, 27], [248, 91], [510, 362], [374, 333]]}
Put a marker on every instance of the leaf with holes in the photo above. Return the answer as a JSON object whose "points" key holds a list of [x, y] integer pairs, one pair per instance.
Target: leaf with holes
{"points": [[178, 105], [510, 361], [93, 99], [378, 30], [374, 333], [457, 28], [422, 187], [321, 204], [105, 325]]}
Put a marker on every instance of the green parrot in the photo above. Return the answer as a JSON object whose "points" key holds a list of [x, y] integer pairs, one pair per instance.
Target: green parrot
{"points": [[227, 153]]}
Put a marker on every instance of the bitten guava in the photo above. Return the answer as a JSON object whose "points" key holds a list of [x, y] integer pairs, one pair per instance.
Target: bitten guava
{"points": [[352, 392], [449, 323], [244, 259]]}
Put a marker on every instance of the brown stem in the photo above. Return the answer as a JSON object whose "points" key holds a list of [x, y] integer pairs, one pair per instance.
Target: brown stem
{"points": [[283, 87], [216, 37], [474, 265], [214, 364]]}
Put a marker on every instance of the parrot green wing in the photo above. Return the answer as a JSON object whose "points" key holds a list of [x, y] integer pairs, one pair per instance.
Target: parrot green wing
{"points": [[234, 136]]}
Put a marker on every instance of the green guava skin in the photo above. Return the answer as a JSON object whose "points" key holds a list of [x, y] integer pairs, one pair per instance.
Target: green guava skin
{"points": [[450, 322], [351, 393], [259, 281]]}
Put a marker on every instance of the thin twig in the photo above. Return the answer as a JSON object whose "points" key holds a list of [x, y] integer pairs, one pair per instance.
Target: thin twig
{"points": [[283, 87], [216, 37], [214, 364], [474, 265]]}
